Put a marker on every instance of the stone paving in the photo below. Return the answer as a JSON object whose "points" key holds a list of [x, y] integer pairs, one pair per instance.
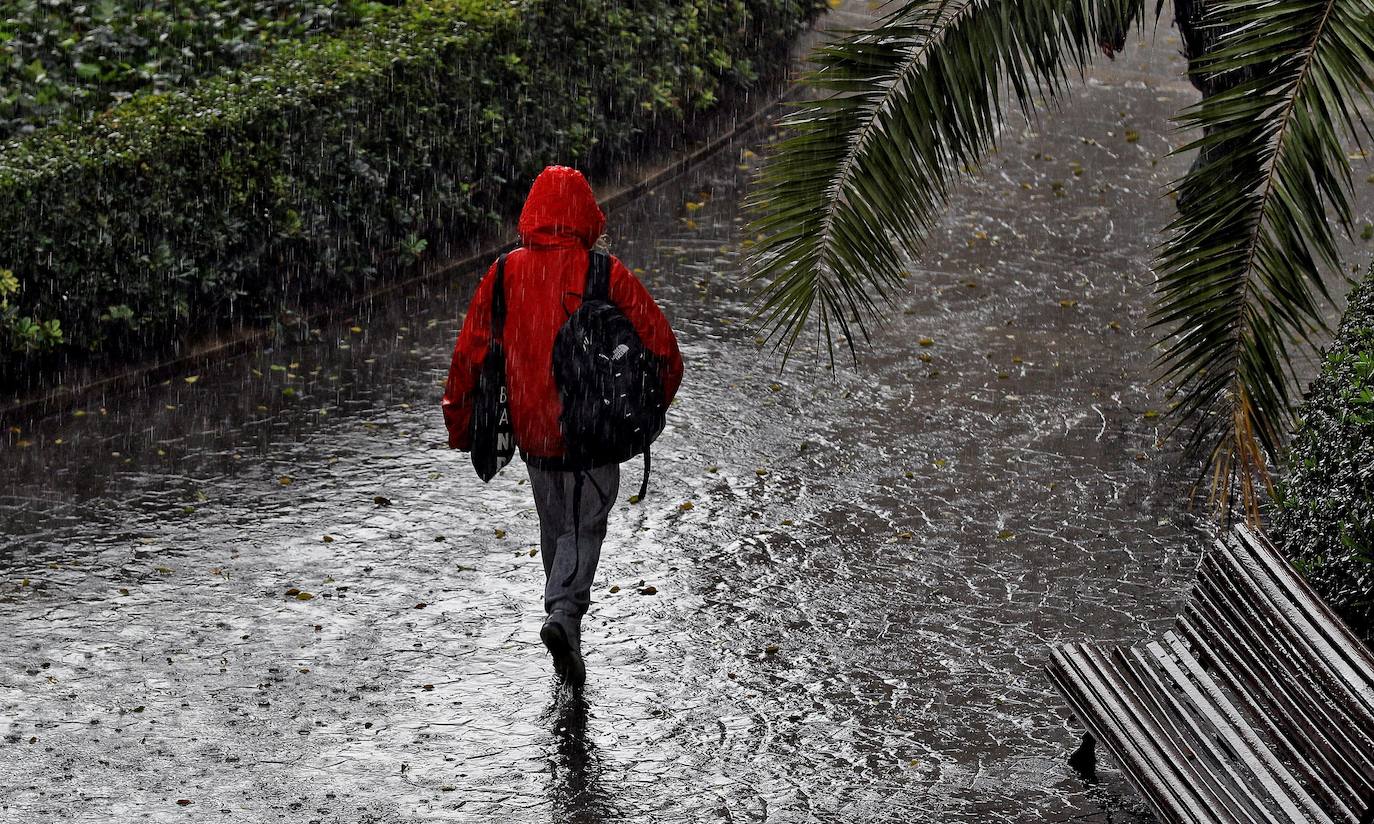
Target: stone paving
{"points": [[267, 591]]}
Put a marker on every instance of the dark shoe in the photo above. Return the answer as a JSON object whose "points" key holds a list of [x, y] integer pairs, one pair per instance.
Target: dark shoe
{"points": [[567, 658]]}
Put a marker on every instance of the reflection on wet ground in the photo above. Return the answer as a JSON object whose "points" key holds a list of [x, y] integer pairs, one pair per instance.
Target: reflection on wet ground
{"points": [[575, 786], [268, 591]]}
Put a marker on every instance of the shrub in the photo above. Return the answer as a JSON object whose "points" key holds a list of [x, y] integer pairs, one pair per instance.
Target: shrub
{"points": [[22, 333], [61, 59], [339, 160], [1326, 519]]}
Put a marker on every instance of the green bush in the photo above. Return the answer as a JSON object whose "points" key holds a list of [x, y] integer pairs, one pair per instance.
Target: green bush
{"points": [[21, 333], [342, 159], [67, 58], [1326, 520]]}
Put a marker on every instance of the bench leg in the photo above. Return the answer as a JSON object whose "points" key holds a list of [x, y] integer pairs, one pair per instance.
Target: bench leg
{"points": [[1084, 759]]}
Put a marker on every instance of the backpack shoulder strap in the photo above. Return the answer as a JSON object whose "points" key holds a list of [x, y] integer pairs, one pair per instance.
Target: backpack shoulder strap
{"points": [[644, 483], [498, 300], [598, 277]]}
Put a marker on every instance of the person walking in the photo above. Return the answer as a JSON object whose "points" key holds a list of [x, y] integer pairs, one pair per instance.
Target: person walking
{"points": [[544, 283]]}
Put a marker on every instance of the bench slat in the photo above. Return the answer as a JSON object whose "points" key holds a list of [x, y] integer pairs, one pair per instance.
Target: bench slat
{"points": [[1226, 780], [1205, 630], [1316, 722], [1209, 699], [1340, 649], [1094, 702], [1332, 670], [1328, 724]]}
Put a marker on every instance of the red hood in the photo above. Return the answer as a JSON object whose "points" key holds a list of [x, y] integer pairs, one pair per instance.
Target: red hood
{"points": [[561, 208]]}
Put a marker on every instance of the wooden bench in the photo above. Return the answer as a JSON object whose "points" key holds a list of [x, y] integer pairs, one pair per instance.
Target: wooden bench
{"points": [[1257, 707]]}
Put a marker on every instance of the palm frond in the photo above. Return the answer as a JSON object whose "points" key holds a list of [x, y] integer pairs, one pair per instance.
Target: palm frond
{"points": [[1242, 272], [911, 105]]}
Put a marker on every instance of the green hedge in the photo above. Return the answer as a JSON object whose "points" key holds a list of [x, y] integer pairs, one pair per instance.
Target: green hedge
{"points": [[340, 160], [1326, 521], [66, 59]]}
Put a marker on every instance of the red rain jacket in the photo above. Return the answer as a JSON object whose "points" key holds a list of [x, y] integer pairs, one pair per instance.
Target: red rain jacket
{"points": [[544, 280]]}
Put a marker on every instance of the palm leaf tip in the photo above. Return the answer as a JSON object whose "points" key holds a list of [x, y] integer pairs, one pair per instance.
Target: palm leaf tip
{"points": [[1241, 275]]}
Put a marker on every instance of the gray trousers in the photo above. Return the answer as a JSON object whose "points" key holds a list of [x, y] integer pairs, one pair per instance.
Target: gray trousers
{"points": [[570, 559]]}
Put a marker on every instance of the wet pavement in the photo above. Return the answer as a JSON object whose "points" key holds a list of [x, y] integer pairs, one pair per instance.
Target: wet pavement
{"points": [[266, 591]]}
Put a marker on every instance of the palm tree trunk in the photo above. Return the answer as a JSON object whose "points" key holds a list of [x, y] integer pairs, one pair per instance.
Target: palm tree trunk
{"points": [[1199, 42]]}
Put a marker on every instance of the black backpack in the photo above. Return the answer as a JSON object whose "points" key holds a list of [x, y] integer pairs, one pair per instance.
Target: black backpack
{"points": [[609, 383]]}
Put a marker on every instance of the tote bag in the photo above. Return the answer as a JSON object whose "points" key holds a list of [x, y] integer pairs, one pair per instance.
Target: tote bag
{"points": [[493, 436]]}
